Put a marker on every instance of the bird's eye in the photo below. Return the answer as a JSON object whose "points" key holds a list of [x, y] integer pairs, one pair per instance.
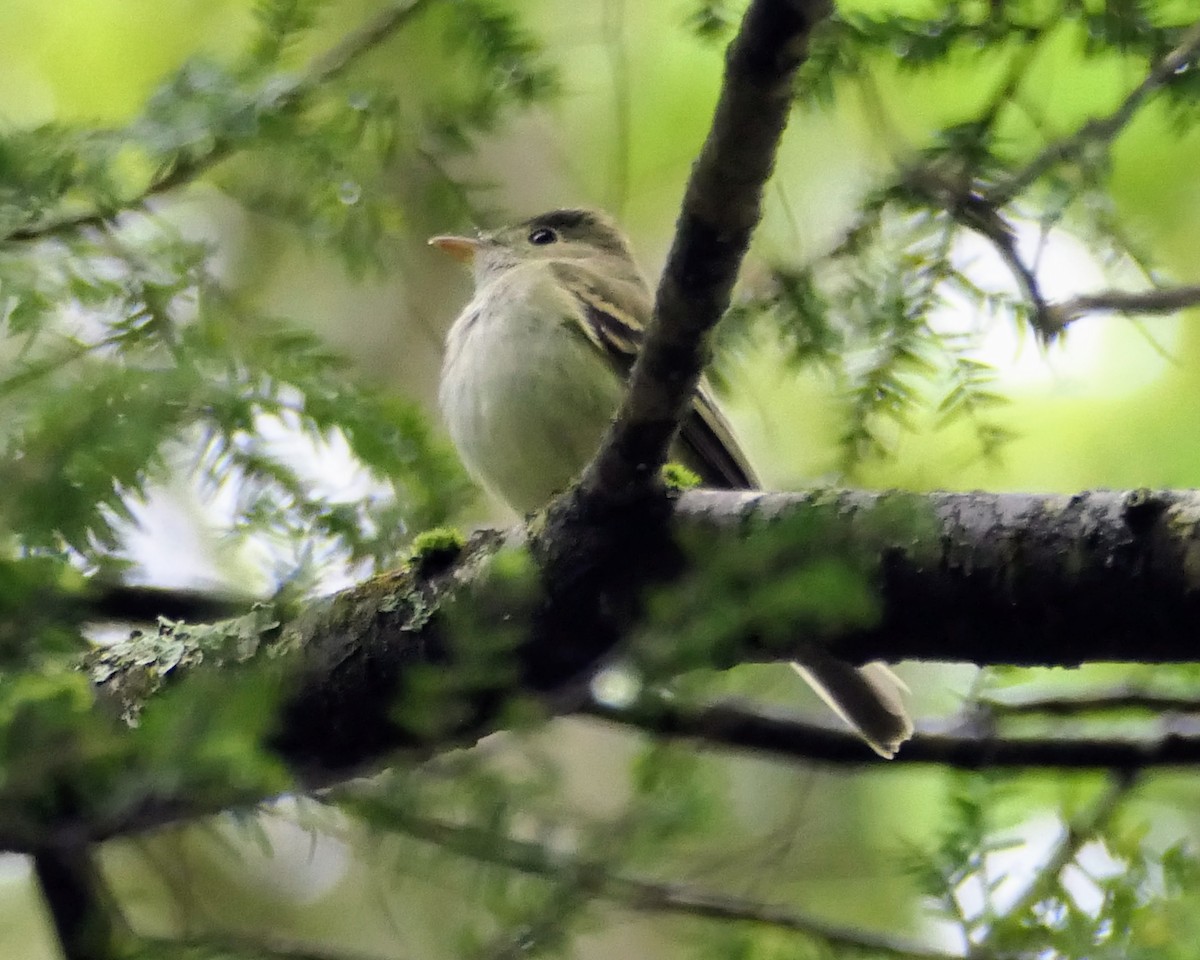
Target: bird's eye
{"points": [[542, 236]]}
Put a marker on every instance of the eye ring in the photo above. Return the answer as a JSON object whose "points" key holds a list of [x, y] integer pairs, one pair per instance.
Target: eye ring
{"points": [[542, 236]]}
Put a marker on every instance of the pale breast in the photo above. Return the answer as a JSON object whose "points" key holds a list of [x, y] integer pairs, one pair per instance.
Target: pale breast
{"points": [[525, 395]]}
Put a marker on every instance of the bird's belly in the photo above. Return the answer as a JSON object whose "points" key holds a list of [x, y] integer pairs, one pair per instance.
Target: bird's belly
{"points": [[526, 426]]}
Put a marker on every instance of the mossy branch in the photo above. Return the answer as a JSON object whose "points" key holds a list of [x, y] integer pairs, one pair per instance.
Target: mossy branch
{"points": [[418, 661]]}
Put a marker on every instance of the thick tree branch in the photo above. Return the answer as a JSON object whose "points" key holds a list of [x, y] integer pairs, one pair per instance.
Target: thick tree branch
{"points": [[1049, 580], [602, 543], [720, 211], [428, 657], [327, 66]]}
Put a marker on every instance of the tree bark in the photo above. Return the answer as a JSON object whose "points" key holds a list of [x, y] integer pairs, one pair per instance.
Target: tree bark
{"points": [[432, 656]]}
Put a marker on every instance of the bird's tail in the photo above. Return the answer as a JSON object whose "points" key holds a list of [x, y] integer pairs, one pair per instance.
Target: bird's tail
{"points": [[869, 698]]}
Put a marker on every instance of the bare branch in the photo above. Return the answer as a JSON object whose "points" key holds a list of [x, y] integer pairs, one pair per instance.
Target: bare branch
{"points": [[679, 898], [720, 211], [325, 67], [752, 728], [637, 893], [1157, 300], [980, 214], [983, 218], [1098, 129], [244, 948]]}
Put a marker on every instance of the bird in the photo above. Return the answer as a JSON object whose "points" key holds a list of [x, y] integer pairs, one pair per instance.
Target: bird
{"points": [[534, 369]]}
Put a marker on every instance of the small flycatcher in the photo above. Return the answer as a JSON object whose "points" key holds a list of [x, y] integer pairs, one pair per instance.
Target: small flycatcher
{"points": [[535, 367]]}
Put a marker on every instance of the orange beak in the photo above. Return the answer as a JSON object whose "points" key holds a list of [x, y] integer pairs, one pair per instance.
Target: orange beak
{"points": [[462, 249]]}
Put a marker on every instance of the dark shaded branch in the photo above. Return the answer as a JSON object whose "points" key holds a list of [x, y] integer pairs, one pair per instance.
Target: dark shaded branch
{"points": [[322, 69], [720, 211], [1040, 580], [1098, 129], [751, 728], [632, 892], [87, 921]]}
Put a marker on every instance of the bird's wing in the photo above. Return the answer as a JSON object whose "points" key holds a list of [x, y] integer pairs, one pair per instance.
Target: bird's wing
{"points": [[707, 442]]}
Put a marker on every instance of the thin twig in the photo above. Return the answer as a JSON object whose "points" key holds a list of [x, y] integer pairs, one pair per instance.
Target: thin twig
{"points": [[547, 929], [325, 67], [577, 882], [1081, 831], [997, 231], [1157, 300], [1098, 128], [246, 948], [634, 893], [977, 213], [364, 38], [678, 898]]}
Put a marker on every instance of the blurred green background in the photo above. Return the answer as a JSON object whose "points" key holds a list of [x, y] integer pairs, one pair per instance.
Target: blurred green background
{"points": [[1112, 404]]}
